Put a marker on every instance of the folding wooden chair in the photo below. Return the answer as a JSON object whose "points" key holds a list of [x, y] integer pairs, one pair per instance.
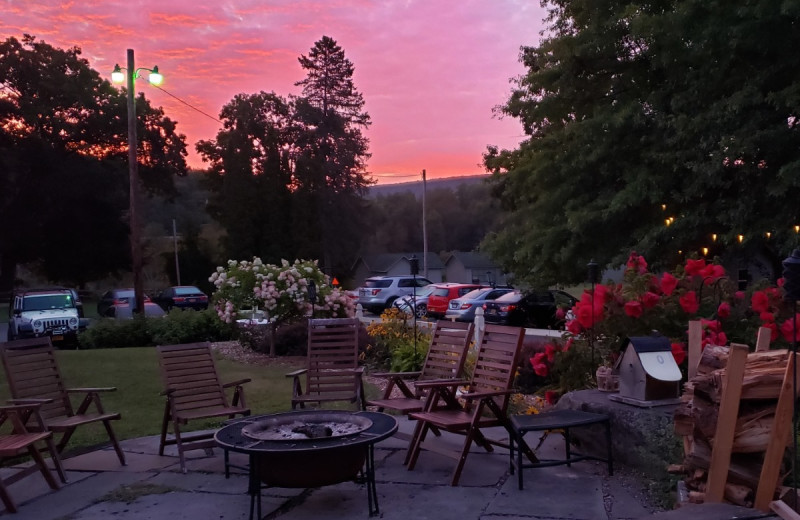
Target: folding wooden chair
{"points": [[194, 392], [485, 401], [332, 372], [34, 377], [20, 441], [447, 353]]}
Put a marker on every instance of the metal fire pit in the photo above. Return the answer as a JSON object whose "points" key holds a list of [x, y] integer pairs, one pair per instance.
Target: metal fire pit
{"points": [[307, 449]]}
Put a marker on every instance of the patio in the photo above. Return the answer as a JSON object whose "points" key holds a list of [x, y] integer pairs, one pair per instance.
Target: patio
{"points": [[153, 487]]}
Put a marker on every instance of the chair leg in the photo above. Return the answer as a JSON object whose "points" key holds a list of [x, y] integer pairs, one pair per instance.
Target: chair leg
{"points": [[37, 457], [462, 458], [416, 444], [6, 498], [179, 444], [117, 448], [164, 427], [54, 455]]}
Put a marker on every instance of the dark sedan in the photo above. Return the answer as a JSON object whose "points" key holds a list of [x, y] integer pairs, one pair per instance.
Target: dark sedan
{"points": [[182, 297], [535, 310]]}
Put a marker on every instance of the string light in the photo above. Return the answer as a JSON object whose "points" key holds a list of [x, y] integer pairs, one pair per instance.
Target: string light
{"points": [[768, 234], [741, 238], [705, 251], [714, 237]]}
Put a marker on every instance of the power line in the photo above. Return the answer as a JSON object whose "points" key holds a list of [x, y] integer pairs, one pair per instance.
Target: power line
{"points": [[187, 104]]}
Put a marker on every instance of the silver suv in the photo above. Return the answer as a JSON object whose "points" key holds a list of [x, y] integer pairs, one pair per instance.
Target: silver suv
{"points": [[379, 292], [44, 312]]}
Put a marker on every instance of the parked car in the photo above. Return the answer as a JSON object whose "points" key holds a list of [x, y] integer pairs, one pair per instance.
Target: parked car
{"points": [[416, 302], [463, 309], [535, 310], [443, 293], [116, 297], [33, 313], [182, 297], [380, 292]]}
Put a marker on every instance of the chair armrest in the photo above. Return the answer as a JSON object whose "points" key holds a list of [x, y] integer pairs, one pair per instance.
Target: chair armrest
{"points": [[434, 383], [86, 390], [29, 401], [236, 383], [481, 395], [397, 375], [297, 372], [21, 407]]}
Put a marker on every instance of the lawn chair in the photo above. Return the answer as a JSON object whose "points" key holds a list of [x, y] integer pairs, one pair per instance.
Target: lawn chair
{"points": [[332, 371], [194, 392], [20, 441], [445, 361], [485, 401], [33, 377]]}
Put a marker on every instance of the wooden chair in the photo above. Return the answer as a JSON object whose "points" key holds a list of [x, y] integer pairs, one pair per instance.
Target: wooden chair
{"points": [[34, 377], [332, 372], [20, 441], [485, 401], [447, 353], [194, 392]]}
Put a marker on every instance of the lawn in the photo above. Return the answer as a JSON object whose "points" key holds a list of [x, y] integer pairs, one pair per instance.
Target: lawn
{"points": [[135, 374]]}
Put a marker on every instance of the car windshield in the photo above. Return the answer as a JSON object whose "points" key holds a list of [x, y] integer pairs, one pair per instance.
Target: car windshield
{"points": [[47, 302], [477, 294], [184, 291], [377, 283]]}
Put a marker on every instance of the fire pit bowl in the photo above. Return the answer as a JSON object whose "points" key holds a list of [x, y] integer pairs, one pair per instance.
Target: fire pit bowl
{"points": [[306, 449]]}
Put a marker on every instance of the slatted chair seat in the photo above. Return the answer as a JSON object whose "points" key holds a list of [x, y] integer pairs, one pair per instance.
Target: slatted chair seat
{"points": [[194, 392], [485, 403], [445, 359], [332, 372], [34, 377], [20, 441]]}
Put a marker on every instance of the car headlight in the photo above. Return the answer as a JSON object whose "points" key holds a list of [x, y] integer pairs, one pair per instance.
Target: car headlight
{"points": [[73, 323], [38, 326]]}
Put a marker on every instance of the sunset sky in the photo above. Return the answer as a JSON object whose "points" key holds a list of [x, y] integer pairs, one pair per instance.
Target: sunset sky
{"points": [[430, 70]]}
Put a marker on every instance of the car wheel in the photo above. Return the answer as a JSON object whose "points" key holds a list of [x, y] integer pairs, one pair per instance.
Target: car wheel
{"points": [[422, 310], [9, 335], [389, 303]]}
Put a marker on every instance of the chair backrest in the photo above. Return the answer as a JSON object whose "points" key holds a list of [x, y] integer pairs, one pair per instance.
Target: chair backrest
{"points": [[447, 351], [497, 361], [32, 373], [332, 347], [190, 374]]}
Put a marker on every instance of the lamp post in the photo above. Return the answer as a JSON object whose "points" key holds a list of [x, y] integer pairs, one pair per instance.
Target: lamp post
{"points": [[117, 76]]}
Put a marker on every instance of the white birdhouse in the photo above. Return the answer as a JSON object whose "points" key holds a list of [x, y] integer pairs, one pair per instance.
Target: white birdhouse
{"points": [[648, 374]]}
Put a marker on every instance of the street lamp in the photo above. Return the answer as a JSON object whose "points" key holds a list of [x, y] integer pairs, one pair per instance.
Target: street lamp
{"points": [[155, 78]]}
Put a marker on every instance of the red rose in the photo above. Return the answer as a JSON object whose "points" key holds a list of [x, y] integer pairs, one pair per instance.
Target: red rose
{"points": [[678, 352], [790, 327], [551, 397], [550, 352], [541, 369], [767, 317], [668, 284], [759, 302], [633, 309], [574, 327], [724, 310], [689, 302], [694, 267], [650, 299], [739, 295]]}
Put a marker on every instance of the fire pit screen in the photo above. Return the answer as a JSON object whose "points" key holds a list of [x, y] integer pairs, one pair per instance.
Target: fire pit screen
{"points": [[307, 449]]}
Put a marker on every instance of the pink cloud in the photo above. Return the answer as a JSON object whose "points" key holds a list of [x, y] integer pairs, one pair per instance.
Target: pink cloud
{"points": [[430, 71]]}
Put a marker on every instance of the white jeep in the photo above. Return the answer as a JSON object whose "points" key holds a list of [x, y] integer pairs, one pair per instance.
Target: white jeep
{"points": [[44, 312]]}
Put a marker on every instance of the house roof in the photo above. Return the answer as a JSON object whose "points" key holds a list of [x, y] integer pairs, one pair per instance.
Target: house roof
{"points": [[472, 260]]}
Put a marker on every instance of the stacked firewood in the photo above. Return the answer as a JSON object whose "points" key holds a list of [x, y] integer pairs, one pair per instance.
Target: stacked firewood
{"points": [[696, 421]]}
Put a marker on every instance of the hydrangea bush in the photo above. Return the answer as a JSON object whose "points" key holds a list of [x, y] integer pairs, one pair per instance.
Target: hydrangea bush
{"points": [[645, 302], [281, 291]]}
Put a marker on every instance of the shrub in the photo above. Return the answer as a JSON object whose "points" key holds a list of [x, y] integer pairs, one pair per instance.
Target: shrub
{"points": [[393, 345], [179, 326]]}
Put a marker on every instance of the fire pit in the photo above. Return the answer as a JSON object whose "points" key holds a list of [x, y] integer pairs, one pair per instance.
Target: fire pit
{"points": [[307, 449]]}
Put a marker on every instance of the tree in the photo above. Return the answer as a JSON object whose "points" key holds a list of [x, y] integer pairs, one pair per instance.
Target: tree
{"points": [[638, 112], [63, 143], [331, 175]]}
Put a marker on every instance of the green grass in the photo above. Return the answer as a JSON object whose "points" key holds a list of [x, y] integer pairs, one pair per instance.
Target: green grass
{"points": [[135, 374]]}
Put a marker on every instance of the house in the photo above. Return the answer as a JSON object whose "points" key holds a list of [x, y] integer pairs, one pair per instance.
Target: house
{"points": [[396, 264], [469, 267]]}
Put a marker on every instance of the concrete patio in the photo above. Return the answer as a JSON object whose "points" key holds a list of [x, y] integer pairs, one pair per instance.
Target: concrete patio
{"points": [[152, 487]]}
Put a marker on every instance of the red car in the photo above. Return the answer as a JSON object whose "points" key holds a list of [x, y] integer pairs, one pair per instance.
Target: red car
{"points": [[444, 292]]}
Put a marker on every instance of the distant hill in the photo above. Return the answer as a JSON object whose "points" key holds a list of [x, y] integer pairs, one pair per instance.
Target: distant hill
{"points": [[416, 186]]}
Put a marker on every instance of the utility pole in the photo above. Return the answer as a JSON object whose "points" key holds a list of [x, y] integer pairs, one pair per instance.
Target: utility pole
{"points": [[175, 244], [424, 227]]}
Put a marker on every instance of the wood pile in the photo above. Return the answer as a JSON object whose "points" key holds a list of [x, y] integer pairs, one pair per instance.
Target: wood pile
{"points": [[730, 432]]}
